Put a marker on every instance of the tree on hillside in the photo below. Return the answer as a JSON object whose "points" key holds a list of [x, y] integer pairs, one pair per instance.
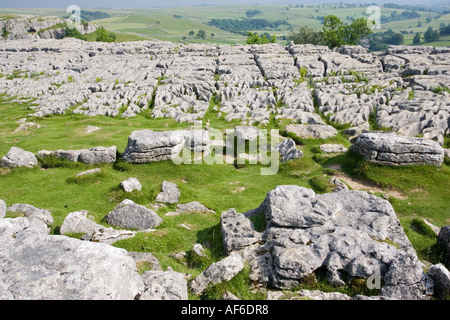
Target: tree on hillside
{"points": [[444, 30], [307, 35], [357, 30], [252, 13], [334, 32], [416, 39], [254, 38], [201, 34], [73, 33], [104, 36], [431, 35], [380, 40]]}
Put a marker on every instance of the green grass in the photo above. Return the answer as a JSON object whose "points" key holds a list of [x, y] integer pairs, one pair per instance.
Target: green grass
{"points": [[53, 186]]}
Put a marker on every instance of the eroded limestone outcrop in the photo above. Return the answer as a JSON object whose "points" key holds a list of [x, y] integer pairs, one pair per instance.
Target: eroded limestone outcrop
{"points": [[395, 150], [349, 234]]}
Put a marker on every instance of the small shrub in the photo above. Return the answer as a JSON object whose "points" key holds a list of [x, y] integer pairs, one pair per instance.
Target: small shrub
{"points": [[85, 179], [421, 227], [320, 184], [50, 161]]}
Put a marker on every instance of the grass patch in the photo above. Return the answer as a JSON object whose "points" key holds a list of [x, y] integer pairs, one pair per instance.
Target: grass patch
{"points": [[321, 184]]}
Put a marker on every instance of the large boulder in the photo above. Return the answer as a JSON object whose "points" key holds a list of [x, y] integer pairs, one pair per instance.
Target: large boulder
{"points": [[17, 157], [395, 150], [146, 146], [193, 206], [350, 234], [288, 150], [294, 206], [131, 215], [98, 155], [38, 266]]}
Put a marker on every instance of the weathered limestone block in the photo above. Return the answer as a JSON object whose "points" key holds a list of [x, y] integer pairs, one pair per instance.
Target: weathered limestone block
{"points": [[145, 146], [223, 270], [17, 157], [314, 131], [38, 266], [349, 233], [394, 150], [130, 215]]}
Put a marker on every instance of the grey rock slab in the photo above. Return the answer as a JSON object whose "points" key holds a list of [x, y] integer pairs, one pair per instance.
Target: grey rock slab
{"points": [[193, 206], [307, 295], [223, 270], [164, 285], [314, 131], [38, 266], [338, 185], [391, 149], [69, 155], [80, 222], [333, 148], [130, 185], [237, 231], [17, 157], [405, 279], [169, 193], [145, 146], [130, 215], [88, 156], [98, 155], [294, 206], [199, 251], [288, 150], [88, 172]]}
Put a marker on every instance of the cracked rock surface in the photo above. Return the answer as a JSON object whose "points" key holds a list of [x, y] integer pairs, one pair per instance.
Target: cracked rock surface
{"points": [[348, 234], [402, 88]]}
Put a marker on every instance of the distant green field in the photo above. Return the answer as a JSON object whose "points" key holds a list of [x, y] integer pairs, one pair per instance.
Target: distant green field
{"points": [[167, 28], [161, 24], [174, 24]]}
